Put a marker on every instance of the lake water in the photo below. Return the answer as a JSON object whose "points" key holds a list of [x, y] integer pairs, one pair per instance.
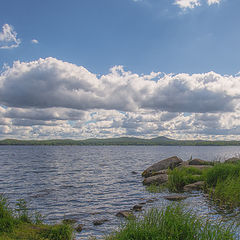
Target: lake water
{"points": [[93, 182]]}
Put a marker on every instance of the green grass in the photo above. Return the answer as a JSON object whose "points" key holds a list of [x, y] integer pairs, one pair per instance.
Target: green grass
{"points": [[172, 223], [179, 177], [20, 224]]}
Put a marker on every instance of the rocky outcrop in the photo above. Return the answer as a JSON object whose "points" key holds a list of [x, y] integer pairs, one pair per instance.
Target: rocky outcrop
{"points": [[157, 180], [194, 186], [175, 197], [171, 162], [197, 161]]}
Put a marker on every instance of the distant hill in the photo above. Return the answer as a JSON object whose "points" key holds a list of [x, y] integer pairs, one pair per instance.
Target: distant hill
{"points": [[161, 141]]}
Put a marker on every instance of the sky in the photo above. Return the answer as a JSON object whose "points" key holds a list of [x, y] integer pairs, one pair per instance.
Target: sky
{"points": [[108, 68]]}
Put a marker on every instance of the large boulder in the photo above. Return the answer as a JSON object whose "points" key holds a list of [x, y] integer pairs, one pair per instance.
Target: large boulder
{"points": [[171, 162], [156, 180], [197, 161]]}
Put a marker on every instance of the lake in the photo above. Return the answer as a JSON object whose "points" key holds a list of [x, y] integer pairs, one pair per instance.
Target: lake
{"points": [[94, 182]]}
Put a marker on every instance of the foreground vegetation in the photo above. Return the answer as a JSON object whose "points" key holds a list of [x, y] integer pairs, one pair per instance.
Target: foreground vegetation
{"points": [[172, 223], [160, 141], [18, 224]]}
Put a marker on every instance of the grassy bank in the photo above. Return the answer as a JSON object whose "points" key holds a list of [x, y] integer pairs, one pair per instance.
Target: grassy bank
{"points": [[222, 181], [171, 223], [20, 224]]}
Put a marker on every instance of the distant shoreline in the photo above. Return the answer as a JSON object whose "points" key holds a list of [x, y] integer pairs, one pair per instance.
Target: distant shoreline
{"points": [[122, 141]]}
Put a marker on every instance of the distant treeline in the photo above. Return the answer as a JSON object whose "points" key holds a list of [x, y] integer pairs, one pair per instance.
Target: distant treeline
{"points": [[161, 141]]}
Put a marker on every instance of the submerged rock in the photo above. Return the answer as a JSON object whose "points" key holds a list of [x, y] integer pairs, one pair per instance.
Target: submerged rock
{"points": [[194, 186], [175, 197], [99, 222], [157, 180], [79, 228], [137, 208], [171, 162], [127, 214]]}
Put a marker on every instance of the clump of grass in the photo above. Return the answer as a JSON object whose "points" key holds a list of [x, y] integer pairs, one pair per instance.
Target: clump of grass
{"points": [[179, 177], [19, 224], [220, 172], [172, 223], [223, 182]]}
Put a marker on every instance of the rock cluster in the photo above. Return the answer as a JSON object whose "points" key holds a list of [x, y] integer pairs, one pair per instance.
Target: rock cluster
{"points": [[157, 174]]}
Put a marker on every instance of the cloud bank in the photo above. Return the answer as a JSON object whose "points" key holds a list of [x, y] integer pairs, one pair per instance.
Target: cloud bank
{"points": [[52, 98]]}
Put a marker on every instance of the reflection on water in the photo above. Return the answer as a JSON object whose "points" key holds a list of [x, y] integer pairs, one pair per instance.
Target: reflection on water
{"points": [[94, 182]]}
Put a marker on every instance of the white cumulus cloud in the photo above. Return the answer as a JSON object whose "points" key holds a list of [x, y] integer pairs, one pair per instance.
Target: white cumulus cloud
{"points": [[34, 41], [184, 4], [210, 2], [8, 37]]}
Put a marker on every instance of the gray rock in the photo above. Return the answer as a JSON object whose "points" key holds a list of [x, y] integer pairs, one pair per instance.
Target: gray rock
{"points": [[194, 186], [175, 197], [157, 180], [197, 161], [200, 167], [160, 172], [171, 162]]}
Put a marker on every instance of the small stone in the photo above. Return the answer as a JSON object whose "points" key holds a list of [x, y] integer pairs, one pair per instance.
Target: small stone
{"points": [[194, 186], [99, 222], [126, 214], [133, 172], [79, 228], [175, 197], [137, 208]]}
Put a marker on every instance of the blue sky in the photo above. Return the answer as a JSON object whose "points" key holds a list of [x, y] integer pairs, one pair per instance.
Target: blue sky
{"points": [[143, 36], [101, 68]]}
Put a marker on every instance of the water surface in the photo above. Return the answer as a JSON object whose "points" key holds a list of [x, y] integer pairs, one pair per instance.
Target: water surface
{"points": [[93, 182]]}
